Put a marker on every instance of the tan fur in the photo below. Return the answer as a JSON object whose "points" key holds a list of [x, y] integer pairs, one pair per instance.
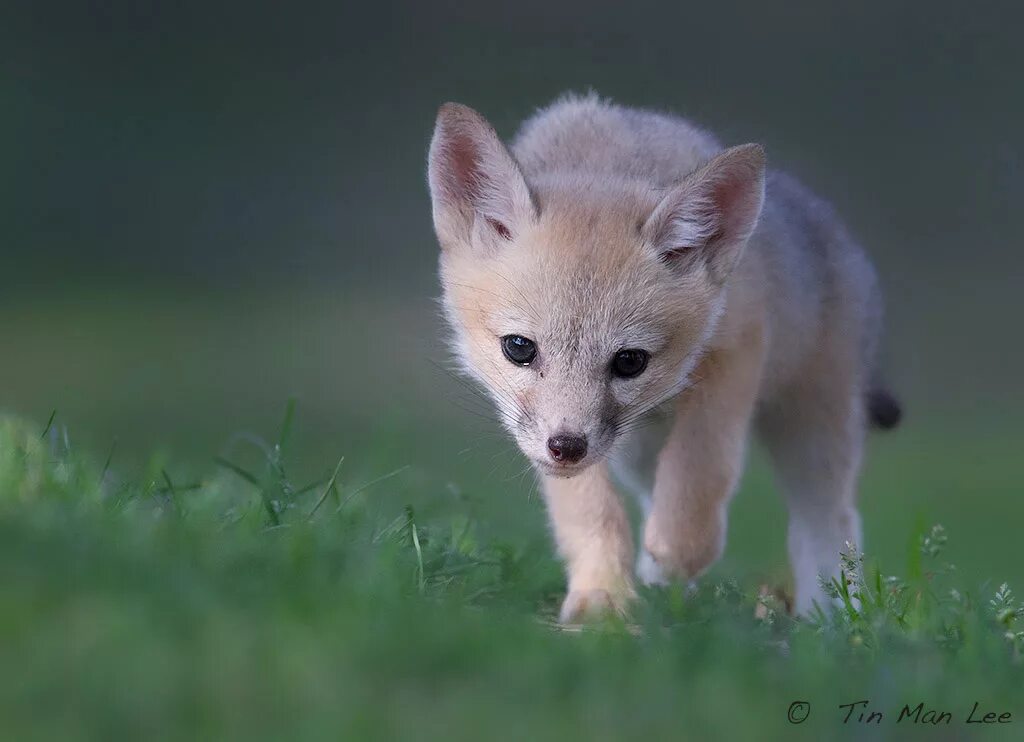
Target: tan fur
{"points": [[594, 538], [701, 460], [605, 228]]}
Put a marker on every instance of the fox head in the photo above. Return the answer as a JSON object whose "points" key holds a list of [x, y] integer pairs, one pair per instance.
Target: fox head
{"points": [[580, 301]]}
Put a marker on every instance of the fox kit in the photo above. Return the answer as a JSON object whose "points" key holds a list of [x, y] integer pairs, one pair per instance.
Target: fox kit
{"points": [[635, 298]]}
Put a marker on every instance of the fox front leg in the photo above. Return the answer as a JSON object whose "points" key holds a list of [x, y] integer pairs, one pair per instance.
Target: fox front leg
{"points": [[699, 467], [593, 537]]}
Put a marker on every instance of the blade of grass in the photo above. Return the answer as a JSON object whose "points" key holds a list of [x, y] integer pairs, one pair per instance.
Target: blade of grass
{"points": [[106, 465], [419, 557], [251, 479], [369, 484], [311, 486], [49, 424], [171, 492], [268, 505], [327, 489]]}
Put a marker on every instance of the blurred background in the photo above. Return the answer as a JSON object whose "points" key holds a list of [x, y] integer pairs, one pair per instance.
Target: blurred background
{"points": [[209, 208]]}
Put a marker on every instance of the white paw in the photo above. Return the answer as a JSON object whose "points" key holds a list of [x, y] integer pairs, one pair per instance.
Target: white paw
{"points": [[648, 571], [581, 606]]}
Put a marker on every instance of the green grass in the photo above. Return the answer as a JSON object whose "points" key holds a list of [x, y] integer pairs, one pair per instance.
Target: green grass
{"points": [[236, 603]]}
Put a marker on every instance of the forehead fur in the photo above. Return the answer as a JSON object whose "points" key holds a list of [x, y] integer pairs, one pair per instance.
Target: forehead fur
{"points": [[580, 275]]}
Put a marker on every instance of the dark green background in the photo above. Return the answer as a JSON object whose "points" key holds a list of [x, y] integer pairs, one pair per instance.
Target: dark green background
{"points": [[208, 208]]}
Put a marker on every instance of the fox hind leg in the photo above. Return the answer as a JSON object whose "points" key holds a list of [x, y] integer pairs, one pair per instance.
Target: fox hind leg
{"points": [[815, 435]]}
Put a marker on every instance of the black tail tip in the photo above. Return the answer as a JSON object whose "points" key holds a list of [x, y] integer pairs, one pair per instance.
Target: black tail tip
{"points": [[884, 409]]}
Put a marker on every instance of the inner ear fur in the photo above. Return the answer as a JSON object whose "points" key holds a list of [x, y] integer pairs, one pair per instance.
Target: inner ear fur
{"points": [[477, 189], [710, 215]]}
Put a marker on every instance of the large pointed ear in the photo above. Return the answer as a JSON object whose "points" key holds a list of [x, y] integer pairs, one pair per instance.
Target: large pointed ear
{"points": [[709, 216], [478, 191]]}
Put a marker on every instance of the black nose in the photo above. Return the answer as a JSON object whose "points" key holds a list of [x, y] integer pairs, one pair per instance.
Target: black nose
{"points": [[566, 448]]}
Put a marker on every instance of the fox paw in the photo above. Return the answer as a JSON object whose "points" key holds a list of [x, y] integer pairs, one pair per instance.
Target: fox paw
{"points": [[649, 571], [582, 606]]}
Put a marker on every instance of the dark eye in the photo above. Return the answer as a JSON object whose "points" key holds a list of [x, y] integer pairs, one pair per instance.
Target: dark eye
{"points": [[629, 363], [521, 351]]}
